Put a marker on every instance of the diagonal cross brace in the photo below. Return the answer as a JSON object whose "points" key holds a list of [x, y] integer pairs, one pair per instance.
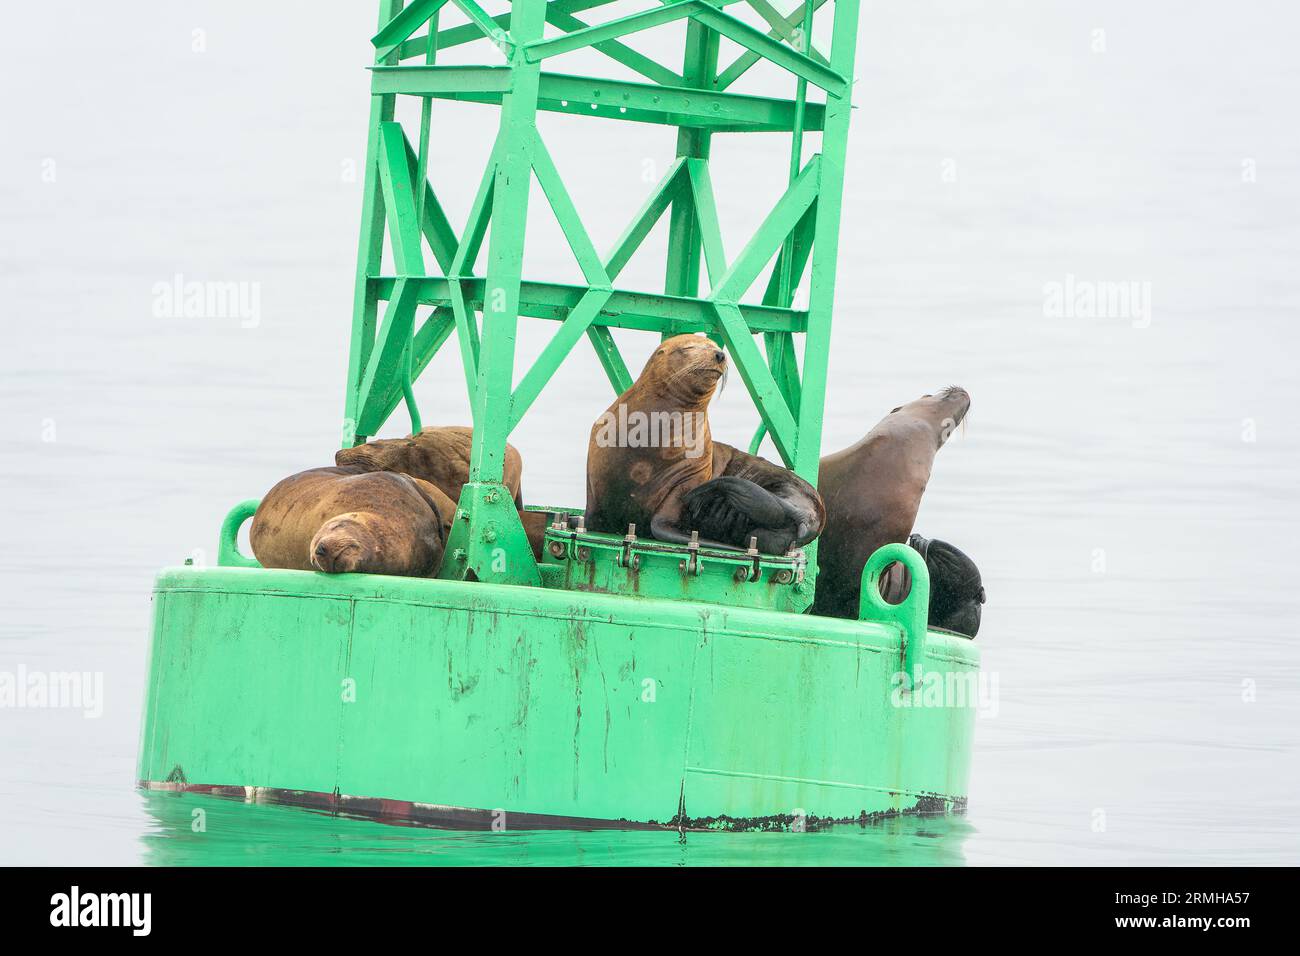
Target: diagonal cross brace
{"points": [[772, 49], [399, 29], [785, 215], [399, 200], [740, 66], [758, 379], [385, 365]]}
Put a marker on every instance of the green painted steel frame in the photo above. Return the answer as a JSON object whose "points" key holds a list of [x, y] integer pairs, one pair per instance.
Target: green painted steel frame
{"points": [[798, 235]]}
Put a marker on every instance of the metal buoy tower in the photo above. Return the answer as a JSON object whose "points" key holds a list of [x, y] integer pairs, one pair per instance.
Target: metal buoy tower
{"points": [[645, 684], [435, 263]]}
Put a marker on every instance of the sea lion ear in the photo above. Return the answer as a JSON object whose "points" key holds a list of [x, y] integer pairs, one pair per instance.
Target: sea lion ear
{"points": [[895, 409], [919, 544], [981, 595]]}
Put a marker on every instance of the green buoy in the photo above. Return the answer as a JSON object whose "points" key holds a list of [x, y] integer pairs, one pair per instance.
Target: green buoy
{"points": [[619, 682]]}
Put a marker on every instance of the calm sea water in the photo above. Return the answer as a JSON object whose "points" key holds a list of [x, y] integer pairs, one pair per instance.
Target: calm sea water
{"points": [[1126, 483]]}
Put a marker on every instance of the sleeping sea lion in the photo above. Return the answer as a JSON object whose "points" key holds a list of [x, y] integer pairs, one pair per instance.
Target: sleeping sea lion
{"points": [[349, 519], [439, 454], [872, 491]]}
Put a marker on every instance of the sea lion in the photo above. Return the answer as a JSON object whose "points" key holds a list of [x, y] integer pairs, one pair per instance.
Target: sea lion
{"points": [[535, 524], [653, 444], [872, 491], [956, 589], [439, 454], [652, 462], [339, 520], [749, 497]]}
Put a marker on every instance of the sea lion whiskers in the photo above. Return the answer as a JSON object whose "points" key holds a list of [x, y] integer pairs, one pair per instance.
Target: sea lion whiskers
{"points": [[672, 379]]}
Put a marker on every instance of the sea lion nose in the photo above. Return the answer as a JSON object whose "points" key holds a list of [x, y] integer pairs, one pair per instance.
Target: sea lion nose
{"points": [[324, 560], [719, 356]]}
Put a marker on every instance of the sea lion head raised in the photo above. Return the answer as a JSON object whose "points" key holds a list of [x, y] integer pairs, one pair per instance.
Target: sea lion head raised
{"points": [[686, 369], [653, 444], [872, 491], [942, 411]]}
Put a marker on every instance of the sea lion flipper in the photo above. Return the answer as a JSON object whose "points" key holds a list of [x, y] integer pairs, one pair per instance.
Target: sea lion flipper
{"points": [[662, 528], [732, 510]]}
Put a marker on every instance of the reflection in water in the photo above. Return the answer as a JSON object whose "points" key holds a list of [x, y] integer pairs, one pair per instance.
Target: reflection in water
{"points": [[233, 833]]}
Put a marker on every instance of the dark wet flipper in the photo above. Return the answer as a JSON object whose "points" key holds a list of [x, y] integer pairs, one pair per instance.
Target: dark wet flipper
{"points": [[662, 529], [732, 510]]}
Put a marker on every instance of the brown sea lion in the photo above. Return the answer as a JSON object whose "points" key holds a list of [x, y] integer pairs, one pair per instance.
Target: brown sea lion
{"points": [[872, 491], [439, 454], [653, 444], [349, 519], [535, 523], [652, 462]]}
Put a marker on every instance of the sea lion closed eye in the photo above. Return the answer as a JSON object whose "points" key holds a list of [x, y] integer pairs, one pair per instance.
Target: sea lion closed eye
{"points": [[341, 520]]}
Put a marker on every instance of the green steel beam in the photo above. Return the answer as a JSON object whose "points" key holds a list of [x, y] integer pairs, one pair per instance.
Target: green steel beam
{"points": [[660, 198], [611, 359], [434, 223], [487, 540], [399, 200], [469, 32], [625, 310], [682, 270], [741, 65], [538, 50], [399, 29], [621, 52], [758, 379], [602, 98], [787, 29], [783, 218], [370, 247], [488, 25], [706, 215], [403, 210], [467, 335], [557, 350], [832, 81], [643, 311], [548, 177], [435, 331], [435, 80], [383, 370], [825, 251], [480, 212]]}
